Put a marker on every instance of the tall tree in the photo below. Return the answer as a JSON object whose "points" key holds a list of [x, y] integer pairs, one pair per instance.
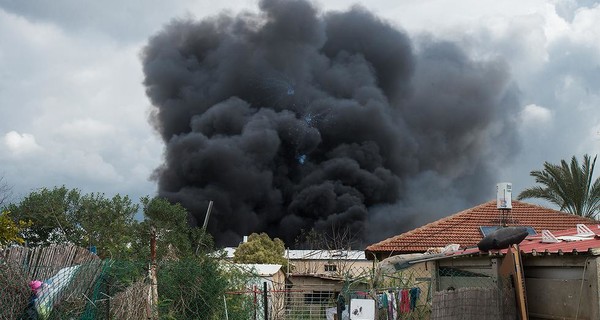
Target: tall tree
{"points": [[571, 187], [61, 215], [107, 223], [52, 213], [10, 230], [175, 237], [260, 248]]}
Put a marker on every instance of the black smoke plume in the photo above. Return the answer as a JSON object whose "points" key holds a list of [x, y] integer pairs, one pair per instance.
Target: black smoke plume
{"points": [[292, 119]]}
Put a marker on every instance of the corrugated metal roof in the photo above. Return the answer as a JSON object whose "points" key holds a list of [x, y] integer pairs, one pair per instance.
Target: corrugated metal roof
{"points": [[591, 245], [325, 255], [533, 245], [307, 254], [226, 252], [463, 227], [263, 270]]}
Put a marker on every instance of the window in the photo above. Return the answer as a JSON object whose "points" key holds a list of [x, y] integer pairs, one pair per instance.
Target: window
{"points": [[330, 267], [319, 297]]}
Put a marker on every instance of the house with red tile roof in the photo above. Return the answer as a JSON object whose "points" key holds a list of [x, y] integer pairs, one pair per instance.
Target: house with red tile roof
{"points": [[465, 228]]}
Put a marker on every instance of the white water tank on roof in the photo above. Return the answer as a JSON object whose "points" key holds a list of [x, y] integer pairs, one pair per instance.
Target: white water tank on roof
{"points": [[504, 195]]}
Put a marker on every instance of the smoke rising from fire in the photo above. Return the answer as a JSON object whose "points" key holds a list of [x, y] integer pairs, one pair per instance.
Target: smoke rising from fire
{"points": [[293, 119]]}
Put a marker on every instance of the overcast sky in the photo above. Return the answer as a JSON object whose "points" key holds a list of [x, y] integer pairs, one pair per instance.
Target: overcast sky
{"points": [[73, 110]]}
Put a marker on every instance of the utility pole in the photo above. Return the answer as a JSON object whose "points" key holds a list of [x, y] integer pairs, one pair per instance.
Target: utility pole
{"points": [[204, 225], [210, 205]]}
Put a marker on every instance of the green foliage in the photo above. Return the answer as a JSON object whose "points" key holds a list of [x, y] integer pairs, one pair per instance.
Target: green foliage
{"points": [[107, 223], [10, 230], [161, 212], [261, 249], [53, 216], [123, 273], [61, 215], [189, 287], [174, 237], [568, 186]]}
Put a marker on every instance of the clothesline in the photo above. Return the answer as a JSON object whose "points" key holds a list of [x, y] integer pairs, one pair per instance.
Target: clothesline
{"points": [[394, 299], [386, 289]]}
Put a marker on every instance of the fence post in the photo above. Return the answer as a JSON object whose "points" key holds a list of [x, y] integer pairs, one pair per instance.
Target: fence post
{"points": [[265, 301], [107, 282], [225, 304], [255, 302], [341, 304]]}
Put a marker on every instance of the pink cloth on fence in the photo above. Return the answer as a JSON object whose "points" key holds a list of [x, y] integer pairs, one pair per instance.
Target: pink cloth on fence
{"points": [[35, 285]]}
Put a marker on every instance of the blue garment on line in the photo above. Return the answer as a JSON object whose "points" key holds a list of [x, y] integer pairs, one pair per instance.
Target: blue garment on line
{"points": [[414, 294]]}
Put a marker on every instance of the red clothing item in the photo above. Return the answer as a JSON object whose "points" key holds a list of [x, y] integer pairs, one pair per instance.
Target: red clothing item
{"points": [[404, 301]]}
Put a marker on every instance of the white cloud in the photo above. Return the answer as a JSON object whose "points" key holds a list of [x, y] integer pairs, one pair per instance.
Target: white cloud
{"points": [[82, 104], [20, 144], [85, 127], [585, 26], [590, 144], [83, 166], [534, 116]]}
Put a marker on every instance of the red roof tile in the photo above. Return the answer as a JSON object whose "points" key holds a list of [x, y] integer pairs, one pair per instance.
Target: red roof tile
{"points": [[463, 227]]}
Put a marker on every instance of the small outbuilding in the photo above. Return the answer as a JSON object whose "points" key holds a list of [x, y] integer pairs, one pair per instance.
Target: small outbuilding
{"points": [[560, 270]]}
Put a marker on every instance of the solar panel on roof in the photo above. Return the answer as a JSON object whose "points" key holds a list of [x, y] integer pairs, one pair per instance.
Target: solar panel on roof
{"points": [[485, 230]]}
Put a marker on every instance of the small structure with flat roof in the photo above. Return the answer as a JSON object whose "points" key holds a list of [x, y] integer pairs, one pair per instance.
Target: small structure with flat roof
{"points": [[561, 272]]}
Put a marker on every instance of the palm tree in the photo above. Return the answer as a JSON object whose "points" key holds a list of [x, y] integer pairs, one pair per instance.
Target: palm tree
{"points": [[569, 187]]}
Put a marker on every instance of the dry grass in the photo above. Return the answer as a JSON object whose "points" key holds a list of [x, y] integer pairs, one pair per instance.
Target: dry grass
{"points": [[14, 292], [132, 303]]}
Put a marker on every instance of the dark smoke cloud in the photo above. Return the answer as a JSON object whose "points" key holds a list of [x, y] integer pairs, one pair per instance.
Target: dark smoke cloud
{"points": [[292, 119]]}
